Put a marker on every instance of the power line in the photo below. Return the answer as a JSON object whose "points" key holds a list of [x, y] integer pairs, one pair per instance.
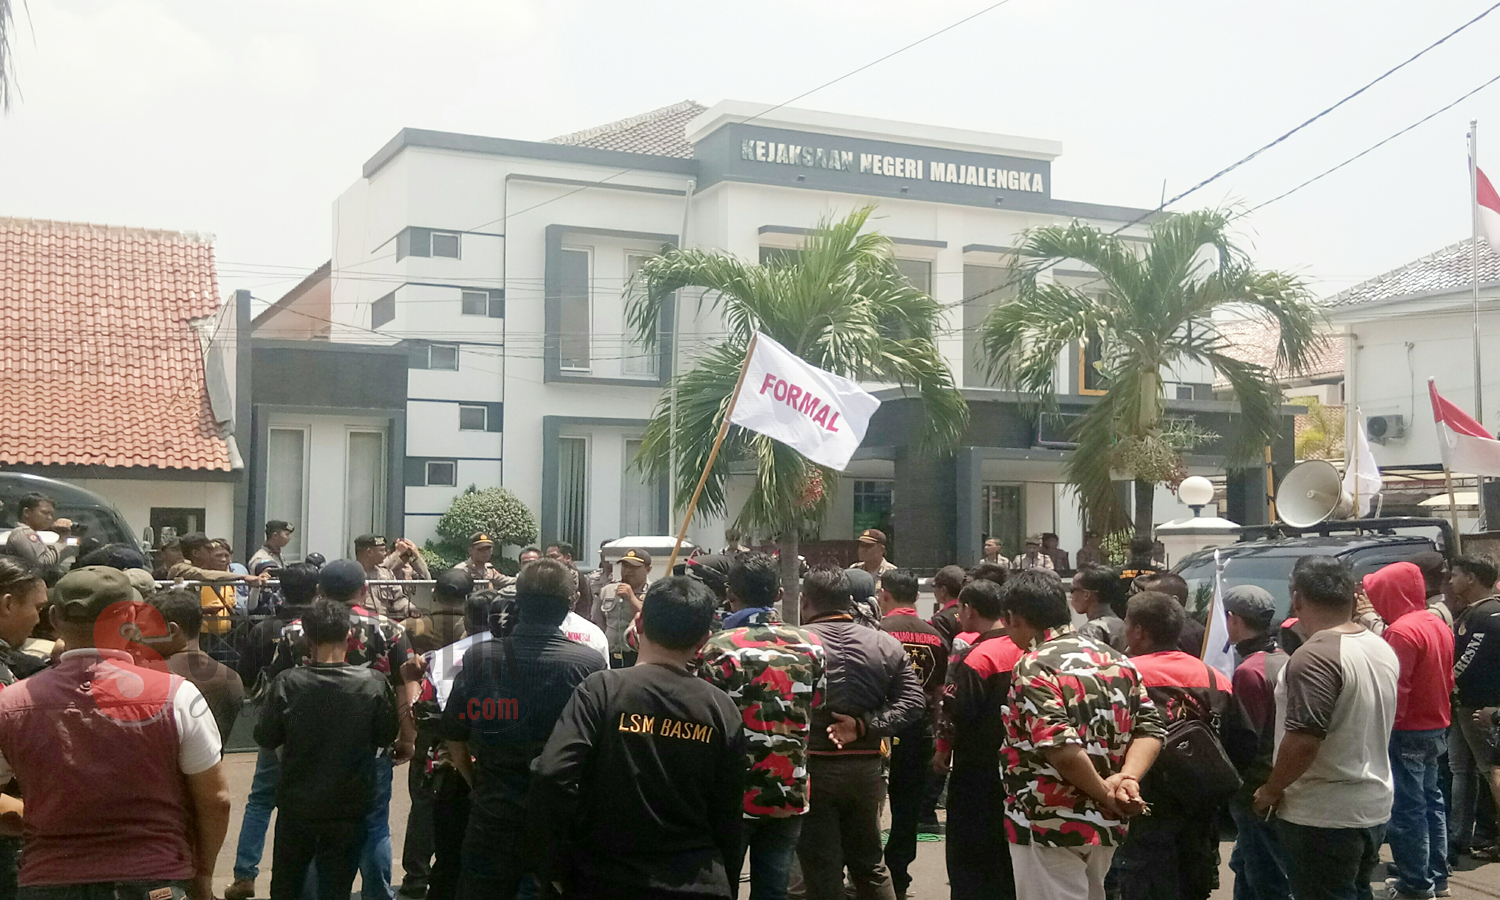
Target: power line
{"points": [[1369, 149]]}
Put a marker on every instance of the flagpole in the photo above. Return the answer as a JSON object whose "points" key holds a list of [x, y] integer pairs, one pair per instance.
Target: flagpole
{"points": [[1458, 539], [1474, 266], [713, 453], [1352, 462]]}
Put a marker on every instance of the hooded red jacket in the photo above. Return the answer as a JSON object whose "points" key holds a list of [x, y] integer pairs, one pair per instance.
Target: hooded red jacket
{"points": [[1423, 644]]}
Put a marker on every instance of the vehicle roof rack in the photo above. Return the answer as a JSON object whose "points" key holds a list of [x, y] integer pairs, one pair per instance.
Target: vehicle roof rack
{"points": [[1386, 525]]}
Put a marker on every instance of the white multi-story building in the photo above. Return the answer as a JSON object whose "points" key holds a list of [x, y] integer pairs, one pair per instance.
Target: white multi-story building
{"points": [[500, 266]]}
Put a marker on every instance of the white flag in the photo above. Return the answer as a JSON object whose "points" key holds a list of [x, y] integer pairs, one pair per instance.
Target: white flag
{"points": [[819, 414], [1362, 476], [1217, 651]]}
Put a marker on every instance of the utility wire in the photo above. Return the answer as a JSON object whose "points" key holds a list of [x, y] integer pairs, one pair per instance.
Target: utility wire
{"points": [[1369, 149]]}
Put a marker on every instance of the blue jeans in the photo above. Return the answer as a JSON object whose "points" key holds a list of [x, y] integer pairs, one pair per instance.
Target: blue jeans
{"points": [[257, 819], [375, 860], [1258, 860], [1418, 830], [771, 844]]}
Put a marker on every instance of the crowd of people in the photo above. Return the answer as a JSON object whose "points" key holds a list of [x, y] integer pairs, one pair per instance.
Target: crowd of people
{"points": [[640, 733]]}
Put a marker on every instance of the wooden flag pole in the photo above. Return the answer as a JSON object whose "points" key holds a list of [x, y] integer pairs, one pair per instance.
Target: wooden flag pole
{"points": [[713, 452], [1458, 540]]}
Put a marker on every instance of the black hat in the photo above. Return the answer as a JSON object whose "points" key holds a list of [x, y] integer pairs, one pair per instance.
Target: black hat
{"points": [[712, 570], [341, 578], [454, 583], [637, 558], [276, 525], [872, 536], [861, 584]]}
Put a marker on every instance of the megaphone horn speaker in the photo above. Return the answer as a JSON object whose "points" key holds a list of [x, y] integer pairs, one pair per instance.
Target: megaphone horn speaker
{"points": [[1311, 493]]}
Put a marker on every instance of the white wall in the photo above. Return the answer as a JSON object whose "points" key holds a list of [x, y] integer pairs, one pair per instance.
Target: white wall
{"points": [[134, 498], [1392, 360]]}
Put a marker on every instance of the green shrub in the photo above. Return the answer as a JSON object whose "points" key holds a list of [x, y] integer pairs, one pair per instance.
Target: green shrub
{"points": [[494, 511]]}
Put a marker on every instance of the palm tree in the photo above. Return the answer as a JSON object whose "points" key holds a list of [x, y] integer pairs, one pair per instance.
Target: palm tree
{"points": [[7, 56], [842, 305], [1148, 309]]}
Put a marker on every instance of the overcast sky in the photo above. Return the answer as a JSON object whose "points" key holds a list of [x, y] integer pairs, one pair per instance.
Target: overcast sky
{"points": [[246, 120]]}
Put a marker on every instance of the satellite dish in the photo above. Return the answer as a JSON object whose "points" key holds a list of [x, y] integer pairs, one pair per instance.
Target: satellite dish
{"points": [[1311, 493]]}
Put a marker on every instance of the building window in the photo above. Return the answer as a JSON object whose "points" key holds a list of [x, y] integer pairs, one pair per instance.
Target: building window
{"points": [[576, 301], [984, 287], [364, 486], [873, 501], [476, 303], [636, 361], [472, 418], [1001, 514], [443, 356], [918, 272], [445, 244], [1090, 354], [286, 482], [383, 310], [640, 499], [442, 473], [778, 256], [426, 242], [572, 490], [168, 522]]}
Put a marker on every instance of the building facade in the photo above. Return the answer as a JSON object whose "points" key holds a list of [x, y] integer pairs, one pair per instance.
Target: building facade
{"points": [[500, 267]]}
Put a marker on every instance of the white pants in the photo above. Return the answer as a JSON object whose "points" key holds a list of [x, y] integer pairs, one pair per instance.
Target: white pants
{"points": [[1060, 873]]}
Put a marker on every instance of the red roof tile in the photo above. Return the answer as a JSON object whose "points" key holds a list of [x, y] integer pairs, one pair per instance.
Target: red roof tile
{"points": [[101, 363], [1253, 341]]}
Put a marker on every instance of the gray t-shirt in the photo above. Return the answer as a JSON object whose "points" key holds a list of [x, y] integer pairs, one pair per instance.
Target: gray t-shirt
{"points": [[1340, 688]]}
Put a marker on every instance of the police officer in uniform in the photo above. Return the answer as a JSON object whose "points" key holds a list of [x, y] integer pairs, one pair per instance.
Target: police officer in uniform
{"points": [[36, 513], [478, 567]]}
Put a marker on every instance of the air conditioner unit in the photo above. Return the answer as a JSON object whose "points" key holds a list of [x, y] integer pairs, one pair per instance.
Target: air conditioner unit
{"points": [[1382, 429]]}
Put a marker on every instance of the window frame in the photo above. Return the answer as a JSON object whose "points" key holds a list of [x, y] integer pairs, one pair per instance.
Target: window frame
{"points": [[456, 354], [484, 413], [588, 253], [482, 296], [432, 237], [452, 465], [628, 342]]}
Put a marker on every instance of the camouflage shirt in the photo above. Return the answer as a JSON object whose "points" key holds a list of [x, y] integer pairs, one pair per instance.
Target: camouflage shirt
{"points": [[1070, 690], [375, 642], [775, 674]]}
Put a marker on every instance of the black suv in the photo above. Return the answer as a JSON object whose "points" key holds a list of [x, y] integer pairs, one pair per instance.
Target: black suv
{"points": [[1266, 553]]}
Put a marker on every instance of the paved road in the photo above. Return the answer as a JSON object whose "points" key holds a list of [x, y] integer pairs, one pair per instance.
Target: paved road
{"points": [[929, 872]]}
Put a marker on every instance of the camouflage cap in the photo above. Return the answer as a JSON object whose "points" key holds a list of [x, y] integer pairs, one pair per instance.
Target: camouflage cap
{"points": [[82, 594]]}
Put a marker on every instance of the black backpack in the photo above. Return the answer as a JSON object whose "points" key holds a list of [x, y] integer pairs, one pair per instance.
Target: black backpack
{"points": [[1193, 772]]}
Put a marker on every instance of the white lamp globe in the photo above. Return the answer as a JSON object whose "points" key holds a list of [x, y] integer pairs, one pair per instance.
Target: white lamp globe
{"points": [[1196, 490]]}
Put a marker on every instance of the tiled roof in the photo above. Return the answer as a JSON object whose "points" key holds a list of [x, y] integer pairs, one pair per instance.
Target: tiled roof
{"points": [[1449, 269], [658, 132], [1255, 342], [101, 364]]}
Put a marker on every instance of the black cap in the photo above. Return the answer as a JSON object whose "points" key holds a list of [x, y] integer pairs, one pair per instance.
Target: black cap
{"points": [[276, 525], [341, 578], [454, 583], [637, 558], [861, 584], [712, 570]]}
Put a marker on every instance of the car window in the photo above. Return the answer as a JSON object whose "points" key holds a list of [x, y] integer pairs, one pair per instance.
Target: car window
{"points": [[1269, 572], [97, 522]]}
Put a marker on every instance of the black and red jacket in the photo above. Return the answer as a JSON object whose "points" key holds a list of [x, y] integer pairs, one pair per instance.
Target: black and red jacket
{"points": [[928, 653], [971, 723]]}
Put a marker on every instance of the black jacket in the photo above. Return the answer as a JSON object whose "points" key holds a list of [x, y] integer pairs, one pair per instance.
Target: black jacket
{"points": [[1476, 654], [644, 775], [328, 719], [869, 678]]}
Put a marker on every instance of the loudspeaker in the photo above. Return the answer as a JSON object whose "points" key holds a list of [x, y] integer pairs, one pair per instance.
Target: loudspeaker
{"points": [[1312, 492]]}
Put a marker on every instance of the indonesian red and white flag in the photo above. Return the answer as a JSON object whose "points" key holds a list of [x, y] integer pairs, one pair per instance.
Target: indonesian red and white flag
{"points": [[1466, 445], [1489, 209], [819, 414]]}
